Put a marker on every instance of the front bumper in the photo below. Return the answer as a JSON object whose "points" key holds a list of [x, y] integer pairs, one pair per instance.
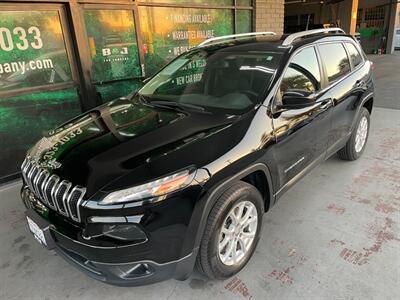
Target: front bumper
{"points": [[133, 273], [166, 252]]}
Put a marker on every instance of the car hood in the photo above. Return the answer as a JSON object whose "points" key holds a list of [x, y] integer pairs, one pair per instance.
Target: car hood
{"points": [[125, 143]]}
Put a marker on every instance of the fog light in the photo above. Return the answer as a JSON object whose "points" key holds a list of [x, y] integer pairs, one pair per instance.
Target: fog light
{"points": [[139, 270]]}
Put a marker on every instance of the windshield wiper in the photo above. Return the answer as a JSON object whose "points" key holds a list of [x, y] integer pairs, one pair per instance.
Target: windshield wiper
{"points": [[173, 104]]}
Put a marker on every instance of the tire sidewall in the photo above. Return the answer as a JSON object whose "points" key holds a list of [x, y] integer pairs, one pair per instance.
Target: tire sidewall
{"points": [[246, 194]]}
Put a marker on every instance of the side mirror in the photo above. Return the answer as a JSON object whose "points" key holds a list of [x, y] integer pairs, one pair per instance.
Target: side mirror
{"points": [[296, 100]]}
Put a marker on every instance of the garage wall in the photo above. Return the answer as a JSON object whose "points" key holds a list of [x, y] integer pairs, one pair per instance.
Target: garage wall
{"points": [[323, 13], [320, 14], [393, 26], [269, 15]]}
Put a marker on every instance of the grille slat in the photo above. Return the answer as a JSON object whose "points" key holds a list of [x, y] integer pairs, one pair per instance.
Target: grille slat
{"points": [[29, 175], [36, 179], [42, 184], [24, 166], [59, 195], [51, 185], [74, 200]]}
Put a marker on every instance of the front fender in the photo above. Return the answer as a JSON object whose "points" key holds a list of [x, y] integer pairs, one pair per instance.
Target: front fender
{"points": [[207, 201]]}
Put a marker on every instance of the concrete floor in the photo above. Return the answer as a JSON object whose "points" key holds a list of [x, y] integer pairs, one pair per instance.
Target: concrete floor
{"points": [[335, 235], [387, 80]]}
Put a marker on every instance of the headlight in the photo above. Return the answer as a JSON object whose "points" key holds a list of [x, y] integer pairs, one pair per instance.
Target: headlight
{"points": [[152, 189]]}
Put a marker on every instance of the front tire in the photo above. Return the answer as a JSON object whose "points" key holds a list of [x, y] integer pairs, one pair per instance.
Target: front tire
{"points": [[355, 146], [232, 232]]}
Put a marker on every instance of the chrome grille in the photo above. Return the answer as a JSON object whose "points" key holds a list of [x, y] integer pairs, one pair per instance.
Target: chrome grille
{"points": [[59, 195]]}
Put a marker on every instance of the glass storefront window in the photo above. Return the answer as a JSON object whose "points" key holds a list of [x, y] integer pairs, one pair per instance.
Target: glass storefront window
{"points": [[244, 21], [113, 90], [113, 44], [168, 32], [204, 2], [25, 119], [244, 2], [32, 50]]}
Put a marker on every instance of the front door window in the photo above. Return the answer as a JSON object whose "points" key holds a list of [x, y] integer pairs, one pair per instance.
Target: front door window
{"points": [[303, 74]]}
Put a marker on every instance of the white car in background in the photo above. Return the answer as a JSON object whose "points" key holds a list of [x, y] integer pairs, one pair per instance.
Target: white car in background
{"points": [[397, 39]]}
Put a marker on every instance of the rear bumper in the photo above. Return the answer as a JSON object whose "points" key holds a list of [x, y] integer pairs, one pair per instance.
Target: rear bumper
{"points": [[133, 273]]}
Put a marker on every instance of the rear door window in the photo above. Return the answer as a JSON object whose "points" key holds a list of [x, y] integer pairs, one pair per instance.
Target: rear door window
{"points": [[355, 56], [335, 60]]}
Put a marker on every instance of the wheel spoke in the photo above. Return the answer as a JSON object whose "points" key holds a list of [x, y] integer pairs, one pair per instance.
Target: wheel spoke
{"points": [[233, 217], [228, 252], [240, 211], [250, 221], [228, 231], [234, 251], [247, 215], [224, 242], [248, 235], [242, 245]]}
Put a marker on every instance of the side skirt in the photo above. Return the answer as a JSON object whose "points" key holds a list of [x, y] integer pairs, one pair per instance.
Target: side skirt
{"points": [[299, 176]]}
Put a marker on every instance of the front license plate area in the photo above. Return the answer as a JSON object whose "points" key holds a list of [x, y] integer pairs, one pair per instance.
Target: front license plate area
{"points": [[40, 229]]}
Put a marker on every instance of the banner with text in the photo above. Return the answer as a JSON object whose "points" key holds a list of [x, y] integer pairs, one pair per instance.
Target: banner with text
{"points": [[32, 50], [168, 32]]}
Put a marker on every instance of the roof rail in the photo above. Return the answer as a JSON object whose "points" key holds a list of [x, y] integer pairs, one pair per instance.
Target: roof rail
{"points": [[233, 36], [292, 37]]}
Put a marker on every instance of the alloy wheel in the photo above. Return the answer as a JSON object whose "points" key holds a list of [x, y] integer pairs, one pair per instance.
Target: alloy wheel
{"points": [[361, 135], [238, 233]]}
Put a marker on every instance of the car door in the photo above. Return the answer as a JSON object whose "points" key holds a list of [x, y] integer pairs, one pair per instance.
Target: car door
{"points": [[345, 87], [301, 134]]}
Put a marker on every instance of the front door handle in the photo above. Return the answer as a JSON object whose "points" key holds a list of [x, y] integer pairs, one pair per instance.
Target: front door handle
{"points": [[360, 84], [326, 103]]}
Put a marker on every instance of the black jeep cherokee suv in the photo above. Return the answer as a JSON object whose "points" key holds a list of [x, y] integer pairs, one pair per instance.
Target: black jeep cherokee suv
{"points": [[181, 172]]}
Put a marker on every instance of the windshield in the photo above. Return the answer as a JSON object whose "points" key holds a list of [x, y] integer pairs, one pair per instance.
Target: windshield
{"points": [[229, 82]]}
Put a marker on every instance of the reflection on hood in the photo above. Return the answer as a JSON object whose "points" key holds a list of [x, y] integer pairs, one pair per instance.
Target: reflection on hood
{"points": [[126, 137]]}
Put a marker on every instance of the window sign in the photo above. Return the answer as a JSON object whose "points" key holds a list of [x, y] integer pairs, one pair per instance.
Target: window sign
{"points": [[182, 74], [113, 44], [168, 32], [32, 50]]}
